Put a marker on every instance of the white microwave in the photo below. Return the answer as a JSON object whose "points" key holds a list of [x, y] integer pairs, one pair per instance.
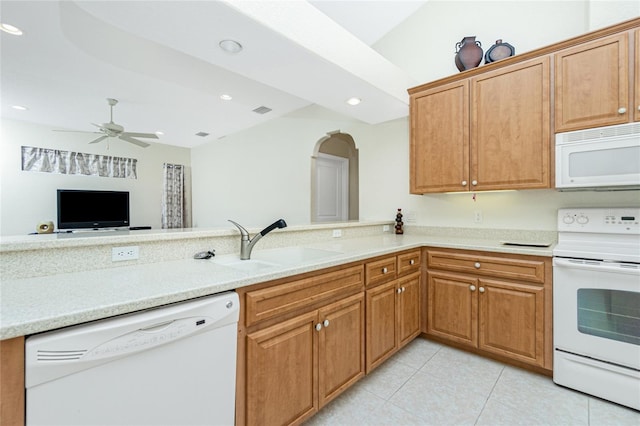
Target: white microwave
{"points": [[605, 158]]}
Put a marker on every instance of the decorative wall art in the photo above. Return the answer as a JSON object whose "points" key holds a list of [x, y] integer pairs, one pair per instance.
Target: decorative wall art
{"points": [[77, 163]]}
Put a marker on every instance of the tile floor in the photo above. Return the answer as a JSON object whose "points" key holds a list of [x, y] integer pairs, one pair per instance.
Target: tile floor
{"points": [[431, 384]]}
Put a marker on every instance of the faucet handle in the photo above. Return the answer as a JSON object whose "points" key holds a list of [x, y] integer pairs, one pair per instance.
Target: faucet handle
{"points": [[243, 232]]}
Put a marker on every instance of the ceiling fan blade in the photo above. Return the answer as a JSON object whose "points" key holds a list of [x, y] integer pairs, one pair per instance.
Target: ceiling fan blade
{"points": [[99, 139], [141, 135], [75, 131], [133, 141]]}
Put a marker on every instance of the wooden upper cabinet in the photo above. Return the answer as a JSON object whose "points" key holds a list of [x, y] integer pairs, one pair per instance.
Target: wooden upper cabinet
{"points": [[440, 139], [636, 104], [511, 128], [592, 84]]}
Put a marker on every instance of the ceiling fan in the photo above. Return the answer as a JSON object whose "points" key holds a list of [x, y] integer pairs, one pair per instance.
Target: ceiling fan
{"points": [[113, 130]]}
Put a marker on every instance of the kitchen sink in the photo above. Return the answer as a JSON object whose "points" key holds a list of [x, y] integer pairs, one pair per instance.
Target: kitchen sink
{"points": [[289, 256], [251, 265]]}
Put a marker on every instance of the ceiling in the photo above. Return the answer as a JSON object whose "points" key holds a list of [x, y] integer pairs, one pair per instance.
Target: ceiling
{"points": [[162, 61]]}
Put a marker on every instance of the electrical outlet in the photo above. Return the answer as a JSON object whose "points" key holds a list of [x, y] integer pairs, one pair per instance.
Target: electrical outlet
{"points": [[337, 233], [477, 216], [385, 228], [124, 253]]}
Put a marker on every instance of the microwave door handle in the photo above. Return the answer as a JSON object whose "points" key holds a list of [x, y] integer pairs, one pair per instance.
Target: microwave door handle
{"points": [[596, 265]]}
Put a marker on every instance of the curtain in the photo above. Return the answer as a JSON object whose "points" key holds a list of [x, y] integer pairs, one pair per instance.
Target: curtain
{"points": [[77, 163], [173, 196]]}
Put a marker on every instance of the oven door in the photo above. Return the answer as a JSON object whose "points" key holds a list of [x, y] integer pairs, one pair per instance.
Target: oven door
{"points": [[596, 308]]}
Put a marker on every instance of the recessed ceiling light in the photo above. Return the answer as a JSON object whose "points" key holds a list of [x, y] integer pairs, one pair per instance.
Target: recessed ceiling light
{"points": [[159, 133], [20, 107], [354, 101], [230, 46], [226, 97], [10, 29]]}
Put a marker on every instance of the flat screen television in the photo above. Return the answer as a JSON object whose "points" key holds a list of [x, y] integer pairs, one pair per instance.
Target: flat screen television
{"points": [[78, 209]]}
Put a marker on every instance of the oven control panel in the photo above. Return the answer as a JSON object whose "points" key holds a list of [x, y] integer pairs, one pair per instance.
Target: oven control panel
{"points": [[600, 220]]}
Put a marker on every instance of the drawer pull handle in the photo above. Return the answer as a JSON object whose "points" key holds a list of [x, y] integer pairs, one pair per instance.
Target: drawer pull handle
{"points": [[472, 287], [325, 323], [318, 327], [476, 265], [412, 262], [481, 289], [384, 270]]}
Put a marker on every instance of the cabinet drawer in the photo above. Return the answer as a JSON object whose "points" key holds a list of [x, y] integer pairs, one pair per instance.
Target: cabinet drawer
{"points": [[504, 267], [285, 298], [380, 271], [408, 262]]}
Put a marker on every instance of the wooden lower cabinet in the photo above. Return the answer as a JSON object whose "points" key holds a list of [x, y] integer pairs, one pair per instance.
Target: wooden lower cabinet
{"points": [[393, 317], [496, 315], [295, 367]]}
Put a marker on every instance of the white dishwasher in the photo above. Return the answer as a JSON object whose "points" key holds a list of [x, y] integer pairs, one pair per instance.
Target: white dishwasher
{"points": [[173, 365]]}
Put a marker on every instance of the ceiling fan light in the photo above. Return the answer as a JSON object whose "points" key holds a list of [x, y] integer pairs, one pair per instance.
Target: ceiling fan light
{"points": [[10, 29], [230, 46]]}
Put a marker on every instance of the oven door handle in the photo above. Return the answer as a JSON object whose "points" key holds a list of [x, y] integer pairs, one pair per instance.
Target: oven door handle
{"points": [[594, 265]]}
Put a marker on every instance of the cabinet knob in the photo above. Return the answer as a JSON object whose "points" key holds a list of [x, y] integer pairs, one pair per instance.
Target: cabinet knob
{"points": [[384, 270], [464, 183], [472, 287], [476, 265], [474, 182], [318, 327], [638, 107], [325, 323], [481, 289], [399, 290], [403, 289], [622, 110], [412, 262]]}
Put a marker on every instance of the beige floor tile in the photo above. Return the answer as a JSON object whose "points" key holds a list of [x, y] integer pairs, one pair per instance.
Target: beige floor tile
{"points": [[417, 353], [385, 380], [459, 369], [429, 398], [604, 413], [536, 396]]}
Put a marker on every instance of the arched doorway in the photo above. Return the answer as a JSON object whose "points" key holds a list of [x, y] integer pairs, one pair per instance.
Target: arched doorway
{"points": [[334, 179]]}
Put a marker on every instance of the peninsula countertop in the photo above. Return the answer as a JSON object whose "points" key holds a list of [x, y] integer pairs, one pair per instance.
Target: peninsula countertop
{"points": [[37, 304]]}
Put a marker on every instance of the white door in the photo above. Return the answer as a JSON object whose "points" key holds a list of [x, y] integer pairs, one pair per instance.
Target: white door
{"points": [[332, 188]]}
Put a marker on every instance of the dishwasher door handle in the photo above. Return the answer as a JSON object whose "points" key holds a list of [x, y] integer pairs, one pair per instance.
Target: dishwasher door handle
{"points": [[147, 338]]}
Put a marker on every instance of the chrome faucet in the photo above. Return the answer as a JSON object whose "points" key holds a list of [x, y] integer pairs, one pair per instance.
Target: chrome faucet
{"points": [[246, 243]]}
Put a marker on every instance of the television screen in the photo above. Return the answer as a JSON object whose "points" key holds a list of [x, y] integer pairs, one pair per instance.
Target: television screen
{"points": [[92, 209]]}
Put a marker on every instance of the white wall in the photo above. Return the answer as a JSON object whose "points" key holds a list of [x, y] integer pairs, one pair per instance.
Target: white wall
{"points": [[27, 198]]}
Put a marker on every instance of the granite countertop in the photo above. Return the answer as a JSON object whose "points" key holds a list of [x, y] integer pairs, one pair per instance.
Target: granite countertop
{"points": [[33, 305]]}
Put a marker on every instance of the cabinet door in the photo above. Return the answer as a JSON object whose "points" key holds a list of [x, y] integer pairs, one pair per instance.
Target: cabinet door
{"points": [[341, 347], [281, 369], [440, 139], [452, 307], [510, 127], [636, 104], [381, 328], [591, 84], [408, 309], [511, 320]]}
